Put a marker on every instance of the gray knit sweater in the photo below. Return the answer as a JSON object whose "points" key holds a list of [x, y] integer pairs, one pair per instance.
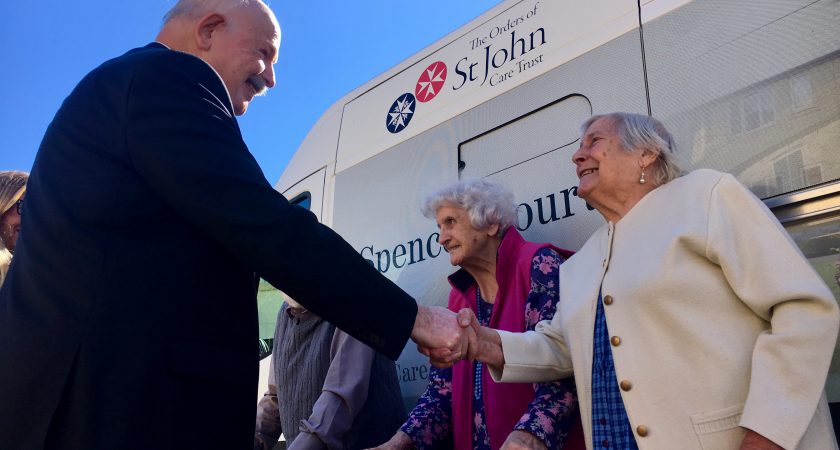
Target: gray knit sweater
{"points": [[301, 360]]}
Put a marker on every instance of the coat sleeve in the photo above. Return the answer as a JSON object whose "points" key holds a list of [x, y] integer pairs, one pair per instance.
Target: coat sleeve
{"points": [[184, 142], [769, 274], [539, 355], [534, 356]]}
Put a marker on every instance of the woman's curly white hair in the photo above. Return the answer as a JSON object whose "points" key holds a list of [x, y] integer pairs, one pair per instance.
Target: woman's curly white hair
{"points": [[486, 203]]}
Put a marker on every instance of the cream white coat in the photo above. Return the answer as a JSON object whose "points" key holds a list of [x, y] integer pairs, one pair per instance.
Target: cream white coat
{"points": [[723, 323]]}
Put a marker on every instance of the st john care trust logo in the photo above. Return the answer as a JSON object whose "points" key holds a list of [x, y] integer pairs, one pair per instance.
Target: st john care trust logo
{"points": [[400, 114], [430, 82], [428, 86]]}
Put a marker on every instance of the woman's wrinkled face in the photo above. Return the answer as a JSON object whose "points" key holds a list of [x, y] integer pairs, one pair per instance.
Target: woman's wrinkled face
{"points": [[10, 227], [458, 236], [604, 169]]}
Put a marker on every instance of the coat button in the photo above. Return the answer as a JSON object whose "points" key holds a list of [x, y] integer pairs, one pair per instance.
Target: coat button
{"points": [[642, 430], [625, 385], [608, 300], [615, 341]]}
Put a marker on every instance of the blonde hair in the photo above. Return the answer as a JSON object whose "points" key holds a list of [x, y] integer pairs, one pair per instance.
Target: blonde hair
{"points": [[12, 188], [5, 262]]}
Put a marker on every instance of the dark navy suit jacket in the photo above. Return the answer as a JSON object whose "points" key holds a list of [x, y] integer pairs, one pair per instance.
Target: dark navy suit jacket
{"points": [[128, 319]]}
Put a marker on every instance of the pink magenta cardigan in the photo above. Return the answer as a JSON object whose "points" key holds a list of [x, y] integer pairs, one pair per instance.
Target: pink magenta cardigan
{"points": [[504, 403]]}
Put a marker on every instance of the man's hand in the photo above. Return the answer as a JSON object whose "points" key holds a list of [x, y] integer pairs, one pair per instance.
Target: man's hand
{"points": [[444, 358], [522, 440], [436, 332], [755, 441], [483, 344]]}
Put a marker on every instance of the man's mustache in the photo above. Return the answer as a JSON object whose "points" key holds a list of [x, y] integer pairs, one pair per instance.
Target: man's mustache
{"points": [[259, 84]]}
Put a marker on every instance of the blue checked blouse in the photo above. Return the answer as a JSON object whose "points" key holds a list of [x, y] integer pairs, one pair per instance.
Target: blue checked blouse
{"points": [[610, 425]]}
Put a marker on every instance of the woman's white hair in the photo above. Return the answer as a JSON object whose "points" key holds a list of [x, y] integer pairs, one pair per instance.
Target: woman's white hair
{"points": [[486, 203], [638, 132]]}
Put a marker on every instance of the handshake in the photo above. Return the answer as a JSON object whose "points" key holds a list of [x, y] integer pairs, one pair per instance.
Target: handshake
{"points": [[446, 337]]}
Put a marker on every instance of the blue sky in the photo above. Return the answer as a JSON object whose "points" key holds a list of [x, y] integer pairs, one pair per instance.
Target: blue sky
{"points": [[328, 48]]}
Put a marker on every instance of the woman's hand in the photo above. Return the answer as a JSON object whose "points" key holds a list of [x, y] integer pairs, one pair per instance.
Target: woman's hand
{"points": [[446, 357], [522, 440], [399, 441], [487, 346], [436, 330], [479, 343]]}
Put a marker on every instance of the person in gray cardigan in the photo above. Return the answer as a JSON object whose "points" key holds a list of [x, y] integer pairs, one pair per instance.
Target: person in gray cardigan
{"points": [[325, 389]]}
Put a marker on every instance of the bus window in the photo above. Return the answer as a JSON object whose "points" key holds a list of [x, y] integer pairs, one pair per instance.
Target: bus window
{"points": [[303, 200]]}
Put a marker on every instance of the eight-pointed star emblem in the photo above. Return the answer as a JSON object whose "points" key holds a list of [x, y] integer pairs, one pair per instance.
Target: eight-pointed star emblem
{"points": [[400, 113], [430, 82]]}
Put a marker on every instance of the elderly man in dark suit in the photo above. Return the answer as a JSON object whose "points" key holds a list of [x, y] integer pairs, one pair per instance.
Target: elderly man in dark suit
{"points": [[128, 320]]}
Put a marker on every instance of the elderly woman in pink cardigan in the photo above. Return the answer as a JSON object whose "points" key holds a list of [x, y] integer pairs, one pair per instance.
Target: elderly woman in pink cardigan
{"points": [[509, 284]]}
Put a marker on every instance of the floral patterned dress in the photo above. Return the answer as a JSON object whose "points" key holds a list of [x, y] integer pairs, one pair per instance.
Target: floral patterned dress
{"points": [[550, 415]]}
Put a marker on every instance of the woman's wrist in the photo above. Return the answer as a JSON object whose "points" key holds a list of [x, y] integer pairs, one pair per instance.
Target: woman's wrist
{"points": [[490, 348]]}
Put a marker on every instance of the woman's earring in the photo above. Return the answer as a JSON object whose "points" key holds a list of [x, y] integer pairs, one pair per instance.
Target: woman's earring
{"points": [[642, 178]]}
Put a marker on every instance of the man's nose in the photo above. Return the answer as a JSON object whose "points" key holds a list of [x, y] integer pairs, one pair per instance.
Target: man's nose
{"points": [[268, 75]]}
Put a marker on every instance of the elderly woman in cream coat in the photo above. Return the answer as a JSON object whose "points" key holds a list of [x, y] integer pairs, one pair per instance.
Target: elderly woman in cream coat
{"points": [[690, 319]]}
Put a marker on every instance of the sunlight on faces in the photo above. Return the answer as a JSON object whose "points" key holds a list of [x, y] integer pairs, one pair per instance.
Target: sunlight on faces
{"points": [[243, 51], [458, 236], [604, 169]]}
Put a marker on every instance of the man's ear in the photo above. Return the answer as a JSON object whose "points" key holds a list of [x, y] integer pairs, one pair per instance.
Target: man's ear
{"points": [[207, 26]]}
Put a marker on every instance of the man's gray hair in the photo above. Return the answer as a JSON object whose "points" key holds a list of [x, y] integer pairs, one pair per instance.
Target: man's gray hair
{"points": [[637, 132], [195, 9], [486, 203]]}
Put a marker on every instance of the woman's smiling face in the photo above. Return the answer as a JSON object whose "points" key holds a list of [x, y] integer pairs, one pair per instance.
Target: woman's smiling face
{"points": [[604, 168]]}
